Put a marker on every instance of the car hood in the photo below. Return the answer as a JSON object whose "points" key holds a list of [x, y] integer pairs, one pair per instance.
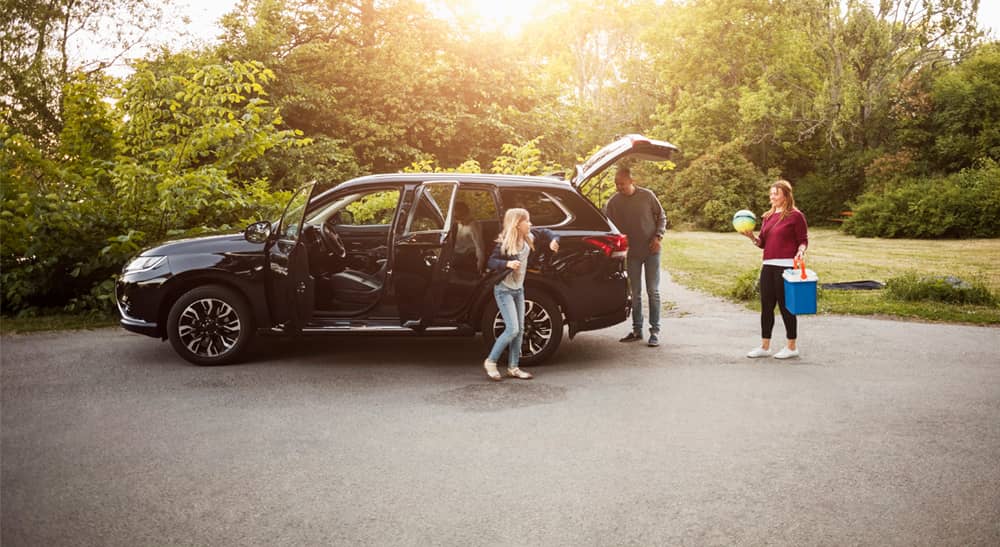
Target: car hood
{"points": [[214, 244]]}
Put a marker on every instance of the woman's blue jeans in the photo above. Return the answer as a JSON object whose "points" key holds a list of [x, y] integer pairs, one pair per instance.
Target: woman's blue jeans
{"points": [[511, 304]]}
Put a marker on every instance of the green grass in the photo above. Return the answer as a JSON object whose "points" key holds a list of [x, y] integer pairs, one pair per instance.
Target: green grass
{"points": [[712, 262], [63, 321]]}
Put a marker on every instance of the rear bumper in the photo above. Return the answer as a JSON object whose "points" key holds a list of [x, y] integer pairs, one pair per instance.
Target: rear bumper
{"points": [[601, 321]]}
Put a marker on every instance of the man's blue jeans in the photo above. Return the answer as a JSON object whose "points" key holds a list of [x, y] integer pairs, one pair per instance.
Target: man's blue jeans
{"points": [[636, 265], [511, 304]]}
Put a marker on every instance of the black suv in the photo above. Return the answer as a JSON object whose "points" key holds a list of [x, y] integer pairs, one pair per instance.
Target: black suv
{"points": [[398, 253]]}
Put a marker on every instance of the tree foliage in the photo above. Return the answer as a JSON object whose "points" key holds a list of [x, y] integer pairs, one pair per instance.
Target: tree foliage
{"points": [[965, 119], [964, 204], [717, 184], [40, 54], [69, 225]]}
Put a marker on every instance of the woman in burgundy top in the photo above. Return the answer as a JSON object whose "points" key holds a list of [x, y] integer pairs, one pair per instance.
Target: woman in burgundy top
{"points": [[784, 236]]}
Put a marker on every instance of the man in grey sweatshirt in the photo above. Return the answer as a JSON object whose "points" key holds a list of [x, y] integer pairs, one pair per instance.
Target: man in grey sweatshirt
{"points": [[639, 215]]}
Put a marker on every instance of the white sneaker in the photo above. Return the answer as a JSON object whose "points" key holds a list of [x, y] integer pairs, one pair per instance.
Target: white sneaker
{"points": [[759, 352], [786, 353]]}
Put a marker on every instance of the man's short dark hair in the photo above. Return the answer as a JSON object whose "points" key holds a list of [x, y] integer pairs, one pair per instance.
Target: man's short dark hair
{"points": [[623, 172]]}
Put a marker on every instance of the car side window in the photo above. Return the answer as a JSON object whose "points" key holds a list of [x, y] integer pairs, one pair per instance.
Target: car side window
{"points": [[432, 210], [291, 221], [479, 205], [372, 209], [544, 209], [475, 226]]}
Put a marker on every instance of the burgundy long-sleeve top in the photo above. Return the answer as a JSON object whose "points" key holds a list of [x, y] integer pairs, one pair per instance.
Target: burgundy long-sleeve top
{"points": [[781, 237]]}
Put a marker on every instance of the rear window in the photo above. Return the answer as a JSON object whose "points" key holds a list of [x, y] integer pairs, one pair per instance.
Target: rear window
{"points": [[543, 208], [556, 208]]}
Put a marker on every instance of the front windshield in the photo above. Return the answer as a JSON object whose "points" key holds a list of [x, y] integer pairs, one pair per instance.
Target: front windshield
{"points": [[291, 221]]}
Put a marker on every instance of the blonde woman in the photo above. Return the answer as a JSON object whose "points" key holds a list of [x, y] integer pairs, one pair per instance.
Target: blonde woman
{"points": [[510, 260], [784, 236]]}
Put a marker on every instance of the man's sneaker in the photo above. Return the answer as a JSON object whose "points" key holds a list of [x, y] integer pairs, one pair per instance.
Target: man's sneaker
{"points": [[759, 352], [653, 341], [632, 337], [786, 353]]}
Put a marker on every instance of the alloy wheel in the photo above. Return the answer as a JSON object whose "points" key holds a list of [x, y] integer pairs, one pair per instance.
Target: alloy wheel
{"points": [[537, 328], [208, 327]]}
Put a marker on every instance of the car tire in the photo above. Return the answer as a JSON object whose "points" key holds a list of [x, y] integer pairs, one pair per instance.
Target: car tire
{"points": [[210, 325], [543, 327]]}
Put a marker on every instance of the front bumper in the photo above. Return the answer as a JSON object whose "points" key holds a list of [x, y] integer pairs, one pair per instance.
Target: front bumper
{"points": [[138, 298], [140, 327]]}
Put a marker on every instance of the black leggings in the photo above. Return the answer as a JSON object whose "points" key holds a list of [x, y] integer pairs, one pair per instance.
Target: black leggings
{"points": [[772, 290]]}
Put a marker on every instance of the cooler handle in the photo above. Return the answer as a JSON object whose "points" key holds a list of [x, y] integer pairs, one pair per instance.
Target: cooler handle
{"points": [[801, 264]]}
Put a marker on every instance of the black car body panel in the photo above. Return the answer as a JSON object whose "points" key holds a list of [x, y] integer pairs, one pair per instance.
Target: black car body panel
{"points": [[383, 253], [211, 244], [144, 298]]}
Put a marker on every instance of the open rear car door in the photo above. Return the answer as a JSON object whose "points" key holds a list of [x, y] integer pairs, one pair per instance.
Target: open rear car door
{"points": [[629, 146]]}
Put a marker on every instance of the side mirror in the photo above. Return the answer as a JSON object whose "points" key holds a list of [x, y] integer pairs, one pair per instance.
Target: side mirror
{"points": [[258, 232]]}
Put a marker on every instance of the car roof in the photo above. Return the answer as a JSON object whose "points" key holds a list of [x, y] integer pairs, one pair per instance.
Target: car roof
{"points": [[484, 178]]}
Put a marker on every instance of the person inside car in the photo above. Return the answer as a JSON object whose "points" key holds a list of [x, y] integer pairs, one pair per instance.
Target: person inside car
{"points": [[469, 251], [510, 260]]}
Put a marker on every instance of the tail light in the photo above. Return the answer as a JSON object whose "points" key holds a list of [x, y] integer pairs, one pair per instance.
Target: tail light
{"points": [[614, 246]]}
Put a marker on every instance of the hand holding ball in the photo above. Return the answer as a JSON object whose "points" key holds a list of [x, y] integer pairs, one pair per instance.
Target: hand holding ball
{"points": [[744, 221]]}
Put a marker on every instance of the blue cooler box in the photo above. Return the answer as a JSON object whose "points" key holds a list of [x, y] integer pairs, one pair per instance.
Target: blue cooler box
{"points": [[800, 294]]}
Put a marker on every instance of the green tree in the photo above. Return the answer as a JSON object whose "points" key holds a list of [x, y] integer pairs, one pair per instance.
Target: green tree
{"points": [[40, 54], [966, 116], [386, 82], [192, 126], [594, 61], [716, 185], [165, 159]]}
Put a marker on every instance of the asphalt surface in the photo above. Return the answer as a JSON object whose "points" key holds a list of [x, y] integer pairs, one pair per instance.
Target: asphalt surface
{"points": [[882, 433]]}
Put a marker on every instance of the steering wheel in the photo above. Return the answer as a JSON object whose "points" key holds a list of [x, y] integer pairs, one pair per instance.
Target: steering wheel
{"points": [[331, 240]]}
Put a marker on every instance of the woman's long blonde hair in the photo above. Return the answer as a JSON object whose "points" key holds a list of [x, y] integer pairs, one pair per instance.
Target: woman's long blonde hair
{"points": [[510, 241], [785, 188]]}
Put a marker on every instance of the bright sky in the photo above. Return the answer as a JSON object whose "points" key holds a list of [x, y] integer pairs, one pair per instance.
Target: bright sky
{"points": [[508, 14]]}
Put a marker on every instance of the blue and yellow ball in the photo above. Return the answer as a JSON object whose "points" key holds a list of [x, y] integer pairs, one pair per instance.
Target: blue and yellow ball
{"points": [[744, 221]]}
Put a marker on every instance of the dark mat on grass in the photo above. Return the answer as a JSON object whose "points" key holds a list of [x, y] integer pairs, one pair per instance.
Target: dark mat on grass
{"points": [[866, 285]]}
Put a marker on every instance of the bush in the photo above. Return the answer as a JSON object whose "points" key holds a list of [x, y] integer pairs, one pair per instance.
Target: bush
{"points": [[713, 187], [965, 204], [822, 195], [164, 160], [746, 287], [911, 286]]}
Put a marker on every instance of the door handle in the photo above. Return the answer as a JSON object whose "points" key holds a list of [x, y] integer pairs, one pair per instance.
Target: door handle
{"points": [[430, 260]]}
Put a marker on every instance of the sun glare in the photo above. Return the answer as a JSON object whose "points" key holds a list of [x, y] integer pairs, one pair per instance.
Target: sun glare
{"points": [[508, 16]]}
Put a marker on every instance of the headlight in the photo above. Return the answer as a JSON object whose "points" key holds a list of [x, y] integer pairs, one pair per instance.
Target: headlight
{"points": [[144, 263]]}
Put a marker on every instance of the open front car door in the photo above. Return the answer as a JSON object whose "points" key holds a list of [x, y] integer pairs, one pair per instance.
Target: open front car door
{"points": [[291, 288]]}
